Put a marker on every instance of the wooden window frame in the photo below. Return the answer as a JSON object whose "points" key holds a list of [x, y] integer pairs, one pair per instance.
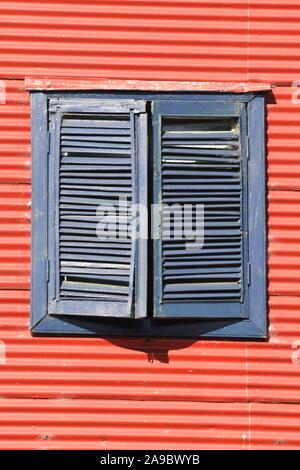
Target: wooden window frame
{"points": [[44, 324]]}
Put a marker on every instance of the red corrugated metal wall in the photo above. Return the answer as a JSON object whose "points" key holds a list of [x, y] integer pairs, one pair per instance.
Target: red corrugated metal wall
{"points": [[100, 394]]}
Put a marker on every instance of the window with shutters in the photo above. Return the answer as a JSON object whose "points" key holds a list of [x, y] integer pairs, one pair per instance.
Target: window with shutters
{"points": [[148, 214]]}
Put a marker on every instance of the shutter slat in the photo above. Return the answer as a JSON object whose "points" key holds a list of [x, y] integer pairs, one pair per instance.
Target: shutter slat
{"points": [[108, 273], [104, 177], [94, 160], [202, 271], [82, 239], [91, 151], [78, 191], [94, 131], [83, 201], [215, 251], [76, 285], [201, 262], [91, 264], [202, 186], [183, 159], [205, 199], [201, 143], [199, 166], [193, 297], [89, 257], [110, 123], [205, 276], [90, 138], [69, 168], [70, 179], [196, 135], [124, 245], [94, 250], [168, 152], [197, 287], [190, 175], [74, 144]]}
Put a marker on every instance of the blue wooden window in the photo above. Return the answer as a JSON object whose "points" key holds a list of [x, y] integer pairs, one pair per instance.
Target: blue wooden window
{"points": [[198, 150]]}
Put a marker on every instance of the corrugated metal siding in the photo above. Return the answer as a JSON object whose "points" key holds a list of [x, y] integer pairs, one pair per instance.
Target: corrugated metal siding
{"points": [[274, 38], [284, 316], [275, 426], [231, 39], [15, 134], [283, 143], [284, 252], [90, 424], [108, 394], [273, 375], [14, 236], [132, 39]]}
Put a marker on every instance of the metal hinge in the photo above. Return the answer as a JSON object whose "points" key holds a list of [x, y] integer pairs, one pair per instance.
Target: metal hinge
{"points": [[248, 147], [48, 143], [47, 269], [249, 274]]}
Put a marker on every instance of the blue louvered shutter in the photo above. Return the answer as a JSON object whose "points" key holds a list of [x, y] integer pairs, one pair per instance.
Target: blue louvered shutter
{"points": [[98, 154], [200, 158]]}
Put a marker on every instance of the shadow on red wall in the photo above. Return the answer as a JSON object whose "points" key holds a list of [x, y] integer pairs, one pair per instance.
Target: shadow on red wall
{"points": [[156, 350]]}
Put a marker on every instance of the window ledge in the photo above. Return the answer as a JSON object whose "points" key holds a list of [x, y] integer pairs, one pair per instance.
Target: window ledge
{"points": [[141, 85]]}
